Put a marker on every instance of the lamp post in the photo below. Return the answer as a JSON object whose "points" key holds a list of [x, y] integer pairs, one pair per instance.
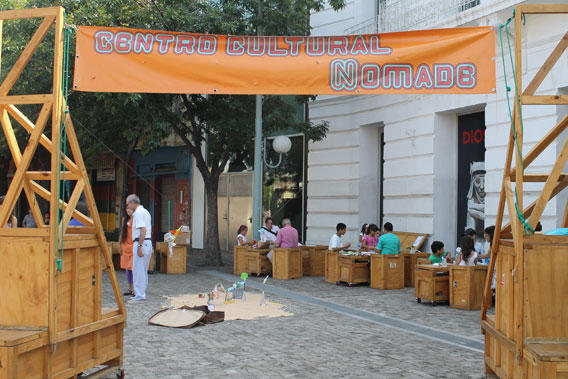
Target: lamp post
{"points": [[281, 145], [257, 182]]}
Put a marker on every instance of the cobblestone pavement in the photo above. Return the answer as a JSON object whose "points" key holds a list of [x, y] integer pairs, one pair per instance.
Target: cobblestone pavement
{"points": [[317, 342]]}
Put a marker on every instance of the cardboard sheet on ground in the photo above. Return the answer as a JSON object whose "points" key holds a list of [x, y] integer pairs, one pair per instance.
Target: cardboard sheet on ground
{"points": [[249, 310]]}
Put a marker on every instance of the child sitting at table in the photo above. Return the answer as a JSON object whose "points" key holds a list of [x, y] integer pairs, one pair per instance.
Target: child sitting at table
{"points": [[467, 255], [438, 253], [371, 239], [335, 243]]}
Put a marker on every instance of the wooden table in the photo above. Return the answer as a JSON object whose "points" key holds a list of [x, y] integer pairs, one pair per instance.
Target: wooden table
{"points": [[466, 286], [238, 259], [331, 266], [255, 261], [410, 265], [175, 264], [313, 260], [432, 283], [353, 269], [387, 271]]}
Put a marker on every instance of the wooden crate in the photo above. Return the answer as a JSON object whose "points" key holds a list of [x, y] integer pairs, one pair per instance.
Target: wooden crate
{"points": [[432, 283], [353, 269], [255, 261], [545, 331], [409, 267], [176, 264], [466, 286], [387, 271], [287, 263], [331, 266], [87, 335], [313, 260], [238, 259]]}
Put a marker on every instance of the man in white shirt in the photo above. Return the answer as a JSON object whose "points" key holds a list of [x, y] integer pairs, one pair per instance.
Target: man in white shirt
{"points": [[142, 248], [335, 243]]}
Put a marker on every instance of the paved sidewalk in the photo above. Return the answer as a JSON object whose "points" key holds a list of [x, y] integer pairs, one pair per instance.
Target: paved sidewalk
{"points": [[336, 332]]}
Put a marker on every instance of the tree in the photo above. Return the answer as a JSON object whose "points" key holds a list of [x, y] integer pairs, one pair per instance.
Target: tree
{"points": [[223, 123]]}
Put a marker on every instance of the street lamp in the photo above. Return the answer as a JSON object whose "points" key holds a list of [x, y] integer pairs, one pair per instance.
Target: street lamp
{"points": [[281, 145]]}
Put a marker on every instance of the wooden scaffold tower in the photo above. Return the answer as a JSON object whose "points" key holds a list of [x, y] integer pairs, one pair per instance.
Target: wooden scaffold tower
{"points": [[52, 323], [527, 337]]}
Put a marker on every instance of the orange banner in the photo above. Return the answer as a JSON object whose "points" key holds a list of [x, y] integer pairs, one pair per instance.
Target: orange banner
{"points": [[459, 60]]}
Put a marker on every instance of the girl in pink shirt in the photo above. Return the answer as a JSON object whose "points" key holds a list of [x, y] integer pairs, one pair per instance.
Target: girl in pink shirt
{"points": [[371, 239]]}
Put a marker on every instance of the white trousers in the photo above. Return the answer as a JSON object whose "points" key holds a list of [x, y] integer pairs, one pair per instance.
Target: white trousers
{"points": [[140, 268]]}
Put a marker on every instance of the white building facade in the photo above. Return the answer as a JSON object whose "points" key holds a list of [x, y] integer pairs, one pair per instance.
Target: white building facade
{"points": [[397, 157]]}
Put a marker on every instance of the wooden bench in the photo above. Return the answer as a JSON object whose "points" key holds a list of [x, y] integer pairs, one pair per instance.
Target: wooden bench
{"points": [[238, 259], [287, 263], [545, 358], [313, 260], [466, 286], [387, 271]]}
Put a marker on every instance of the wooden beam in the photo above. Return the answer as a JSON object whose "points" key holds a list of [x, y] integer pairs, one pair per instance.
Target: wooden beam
{"points": [[542, 8], [55, 169], [26, 55], [565, 218], [89, 328], [29, 13], [549, 186], [544, 142], [544, 99], [26, 99], [45, 142], [546, 67], [46, 175], [540, 178]]}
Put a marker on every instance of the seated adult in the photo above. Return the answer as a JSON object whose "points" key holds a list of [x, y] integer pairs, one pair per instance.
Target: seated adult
{"points": [[388, 242], [269, 231], [287, 237]]}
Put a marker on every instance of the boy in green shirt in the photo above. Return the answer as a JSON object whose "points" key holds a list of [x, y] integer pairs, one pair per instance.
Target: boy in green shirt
{"points": [[438, 253]]}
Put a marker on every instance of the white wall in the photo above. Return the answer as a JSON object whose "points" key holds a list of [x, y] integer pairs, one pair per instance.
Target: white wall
{"points": [[421, 140]]}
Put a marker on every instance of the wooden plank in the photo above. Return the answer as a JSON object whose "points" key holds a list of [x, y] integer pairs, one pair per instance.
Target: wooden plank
{"points": [[544, 142], [545, 68], [544, 99], [45, 142], [26, 55], [549, 186], [46, 175], [565, 218], [507, 343], [28, 13], [539, 178], [75, 302], [543, 8], [89, 328], [26, 99]]}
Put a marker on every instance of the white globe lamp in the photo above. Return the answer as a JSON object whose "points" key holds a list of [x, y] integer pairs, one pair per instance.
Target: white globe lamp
{"points": [[281, 144]]}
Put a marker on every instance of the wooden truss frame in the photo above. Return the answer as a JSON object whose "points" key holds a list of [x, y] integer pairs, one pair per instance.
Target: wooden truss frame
{"points": [[53, 105], [554, 181]]}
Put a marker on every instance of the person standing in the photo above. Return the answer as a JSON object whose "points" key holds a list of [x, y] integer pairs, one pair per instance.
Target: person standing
{"points": [[141, 247], [29, 221], [126, 244]]}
